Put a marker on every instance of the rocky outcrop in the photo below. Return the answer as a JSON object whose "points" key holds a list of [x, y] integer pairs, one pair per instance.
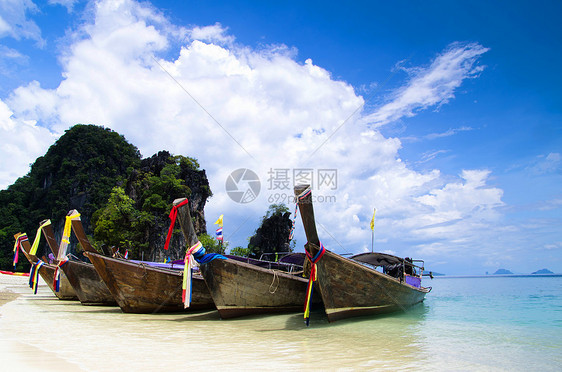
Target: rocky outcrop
{"points": [[79, 172], [271, 237]]}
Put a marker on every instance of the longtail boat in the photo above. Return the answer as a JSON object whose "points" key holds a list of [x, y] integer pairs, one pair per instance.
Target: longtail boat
{"points": [[352, 286], [242, 288], [47, 271], [82, 276], [140, 287]]}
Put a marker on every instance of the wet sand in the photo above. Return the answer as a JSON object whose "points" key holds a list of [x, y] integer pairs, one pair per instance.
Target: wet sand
{"points": [[7, 296], [15, 354]]}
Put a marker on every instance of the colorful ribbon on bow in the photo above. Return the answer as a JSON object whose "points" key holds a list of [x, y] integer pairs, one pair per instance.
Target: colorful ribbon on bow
{"points": [[56, 277], [311, 280], [189, 263], [194, 254], [34, 275], [35, 245], [17, 246], [65, 240], [173, 215]]}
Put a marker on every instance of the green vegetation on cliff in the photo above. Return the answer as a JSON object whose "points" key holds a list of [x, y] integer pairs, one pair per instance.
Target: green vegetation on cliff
{"points": [[123, 200], [78, 171]]}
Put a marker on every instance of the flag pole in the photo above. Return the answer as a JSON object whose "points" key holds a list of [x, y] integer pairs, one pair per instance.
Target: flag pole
{"points": [[373, 231]]}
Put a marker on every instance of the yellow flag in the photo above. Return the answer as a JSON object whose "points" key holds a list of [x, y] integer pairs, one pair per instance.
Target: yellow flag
{"points": [[373, 220], [219, 221]]}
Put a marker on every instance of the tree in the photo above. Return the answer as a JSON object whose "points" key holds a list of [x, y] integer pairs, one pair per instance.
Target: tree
{"points": [[240, 251], [212, 245], [120, 224]]}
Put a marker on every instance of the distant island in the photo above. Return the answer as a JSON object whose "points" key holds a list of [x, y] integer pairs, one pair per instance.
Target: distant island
{"points": [[543, 271], [432, 273], [502, 272]]}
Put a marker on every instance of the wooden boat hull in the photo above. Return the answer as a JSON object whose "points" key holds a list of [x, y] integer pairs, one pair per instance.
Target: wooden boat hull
{"points": [[89, 287], [240, 289], [47, 272], [139, 288], [351, 289], [66, 291]]}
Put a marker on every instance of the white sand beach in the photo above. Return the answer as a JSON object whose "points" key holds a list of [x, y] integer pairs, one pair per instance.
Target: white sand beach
{"points": [[40, 332]]}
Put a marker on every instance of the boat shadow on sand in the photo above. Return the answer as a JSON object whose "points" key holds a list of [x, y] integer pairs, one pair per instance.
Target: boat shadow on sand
{"points": [[194, 316], [318, 318], [100, 309]]}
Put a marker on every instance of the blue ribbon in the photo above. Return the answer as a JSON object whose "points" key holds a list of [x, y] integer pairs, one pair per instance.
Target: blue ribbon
{"points": [[203, 258]]}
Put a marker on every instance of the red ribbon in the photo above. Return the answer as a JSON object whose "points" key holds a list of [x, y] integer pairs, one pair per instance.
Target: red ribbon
{"points": [[173, 215]]}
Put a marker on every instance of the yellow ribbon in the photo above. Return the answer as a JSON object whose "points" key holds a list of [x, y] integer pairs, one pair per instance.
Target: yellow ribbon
{"points": [[35, 245], [16, 242], [65, 241], [67, 227]]}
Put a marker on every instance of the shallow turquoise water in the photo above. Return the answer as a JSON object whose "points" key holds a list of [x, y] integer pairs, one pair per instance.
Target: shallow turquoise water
{"points": [[509, 324]]}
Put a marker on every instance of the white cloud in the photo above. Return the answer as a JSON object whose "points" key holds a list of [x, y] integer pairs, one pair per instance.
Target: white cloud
{"points": [[68, 4], [430, 155], [431, 86], [448, 133], [277, 109], [10, 53], [10, 60], [22, 142], [551, 163], [554, 246], [212, 34], [14, 21], [543, 164]]}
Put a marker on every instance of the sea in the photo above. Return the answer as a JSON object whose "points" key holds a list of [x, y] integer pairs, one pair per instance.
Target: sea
{"points": [[464, 324]]}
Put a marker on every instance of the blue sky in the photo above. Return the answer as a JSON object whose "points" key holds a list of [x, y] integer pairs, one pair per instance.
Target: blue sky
{"points": [[445, 116]]}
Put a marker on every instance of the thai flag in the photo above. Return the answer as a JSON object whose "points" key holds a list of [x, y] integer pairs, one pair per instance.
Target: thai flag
{"points": [[219, 234], [126, 254]]}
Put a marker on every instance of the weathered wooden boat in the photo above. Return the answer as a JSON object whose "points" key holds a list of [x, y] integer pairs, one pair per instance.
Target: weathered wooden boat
{"points": [[141, 288], [82, 276], [241, 288], [352, 286], [47, 272]]}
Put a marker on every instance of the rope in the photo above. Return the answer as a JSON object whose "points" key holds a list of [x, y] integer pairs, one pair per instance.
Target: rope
{"points": [[292, 233], [300, 197], [304, 194], [173, 215], [312, 278], [275, 276]]}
